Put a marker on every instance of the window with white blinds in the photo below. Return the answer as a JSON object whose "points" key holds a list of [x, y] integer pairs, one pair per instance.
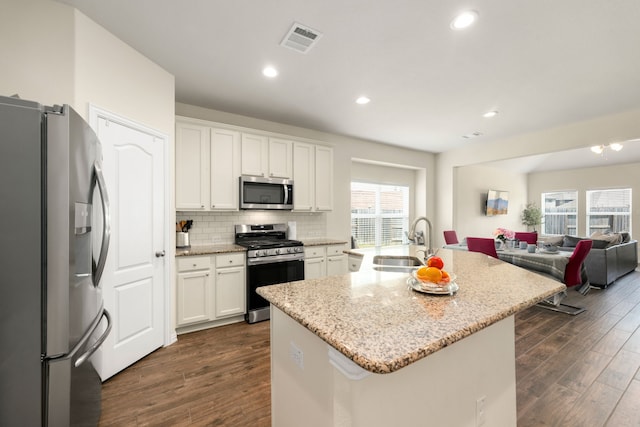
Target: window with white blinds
{"points": [[379, 214], [559, 213], [609, 210]]}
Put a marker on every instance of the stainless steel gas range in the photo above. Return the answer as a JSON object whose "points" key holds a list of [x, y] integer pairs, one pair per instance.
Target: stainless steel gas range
{"points": [[271, 259]]}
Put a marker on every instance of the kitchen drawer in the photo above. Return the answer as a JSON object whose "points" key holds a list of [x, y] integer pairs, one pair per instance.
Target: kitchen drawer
{"points": [[314, 252], [230, 260], [191, 263], [335, 250]]}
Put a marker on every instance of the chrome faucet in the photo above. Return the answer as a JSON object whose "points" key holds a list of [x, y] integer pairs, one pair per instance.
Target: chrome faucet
{"points": [[412, 235]]}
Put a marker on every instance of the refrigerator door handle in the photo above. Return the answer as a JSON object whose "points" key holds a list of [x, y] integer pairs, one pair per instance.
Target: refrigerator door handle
{"points": [[87, 354], [106, 228]]}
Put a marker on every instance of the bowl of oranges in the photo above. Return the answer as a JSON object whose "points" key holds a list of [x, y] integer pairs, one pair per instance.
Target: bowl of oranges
{"points": [[433, 278]]}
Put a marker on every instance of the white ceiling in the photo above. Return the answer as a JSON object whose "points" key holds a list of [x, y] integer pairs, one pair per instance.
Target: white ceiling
{"points": [[572, 159], [540, 63]]}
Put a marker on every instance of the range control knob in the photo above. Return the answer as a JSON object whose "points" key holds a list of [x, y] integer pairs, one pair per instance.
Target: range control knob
{"points": [[277, 251]]}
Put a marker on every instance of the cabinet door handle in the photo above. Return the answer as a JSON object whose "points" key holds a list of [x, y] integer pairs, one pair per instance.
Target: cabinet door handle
{"points": [[160, 254]]}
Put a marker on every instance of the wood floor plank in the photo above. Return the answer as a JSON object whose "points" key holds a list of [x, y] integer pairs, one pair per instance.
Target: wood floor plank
{"points": [[612, 342], [619, 373], [584, 371], [593, 408], [546, 411], [627, 413], [633, 343], [631, 321]]}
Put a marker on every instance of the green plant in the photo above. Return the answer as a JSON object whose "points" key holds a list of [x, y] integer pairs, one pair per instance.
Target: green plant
{"points": [[531, 215]]}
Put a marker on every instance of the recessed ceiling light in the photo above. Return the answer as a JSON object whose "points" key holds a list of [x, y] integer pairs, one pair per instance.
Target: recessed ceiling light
{"points": [[363, 100], [490, 114], [464, 20], [269, 72]]}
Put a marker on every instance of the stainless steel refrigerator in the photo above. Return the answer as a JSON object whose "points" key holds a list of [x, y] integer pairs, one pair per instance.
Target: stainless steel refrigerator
{"points": [[54, 213]]}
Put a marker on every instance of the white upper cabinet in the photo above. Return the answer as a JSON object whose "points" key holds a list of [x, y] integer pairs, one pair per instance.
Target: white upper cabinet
{"points": [[324, 178], [210, 157], [207, 167], [280, 158], [312, 177], [225, 169], [255, 152], [303, 176], [192, 166], [266, 157]]}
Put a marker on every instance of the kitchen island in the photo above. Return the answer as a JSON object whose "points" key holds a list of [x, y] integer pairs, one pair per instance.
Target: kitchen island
{"points": [[363, 349]]}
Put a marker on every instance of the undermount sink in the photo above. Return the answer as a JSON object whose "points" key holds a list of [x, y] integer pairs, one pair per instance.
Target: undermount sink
{"points": [[394, 268], [397, 261]]}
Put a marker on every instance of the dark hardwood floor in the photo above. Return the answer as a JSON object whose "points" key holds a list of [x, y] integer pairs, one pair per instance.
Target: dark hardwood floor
{"points": [[571, 370]]}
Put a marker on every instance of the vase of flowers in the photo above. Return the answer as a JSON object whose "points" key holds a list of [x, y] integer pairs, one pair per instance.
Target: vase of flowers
{"points": [[503, 236]]}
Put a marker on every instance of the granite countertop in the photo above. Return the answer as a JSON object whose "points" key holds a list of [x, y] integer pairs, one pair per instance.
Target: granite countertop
{"points": [[378, 322], [319, 241], [230, 247], [209, 249]]}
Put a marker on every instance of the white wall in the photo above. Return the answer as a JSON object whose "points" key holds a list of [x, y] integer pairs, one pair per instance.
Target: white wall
{"points": [[117, 78], [53, 54], [36, 50], [621, 126], [381, 174], [338, 223], [469, 198], [620, 176]]}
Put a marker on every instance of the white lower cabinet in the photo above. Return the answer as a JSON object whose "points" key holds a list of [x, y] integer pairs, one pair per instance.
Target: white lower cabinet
{"points": [[193, 290], [230, 285], [337, 262], [204, 299], [314, 262], [321, 261]]}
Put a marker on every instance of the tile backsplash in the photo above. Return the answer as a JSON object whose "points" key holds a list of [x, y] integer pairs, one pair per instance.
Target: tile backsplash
{"points": [[218, 227]]}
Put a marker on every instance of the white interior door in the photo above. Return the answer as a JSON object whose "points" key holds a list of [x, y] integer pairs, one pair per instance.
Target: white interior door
{"points": [[134, 278]]}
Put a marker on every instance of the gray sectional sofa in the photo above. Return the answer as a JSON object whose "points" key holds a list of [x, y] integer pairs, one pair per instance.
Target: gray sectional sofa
{"points": [[611, 256]]}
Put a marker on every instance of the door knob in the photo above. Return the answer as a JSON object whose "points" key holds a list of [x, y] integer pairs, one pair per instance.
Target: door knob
{"points": [[159, 254]]}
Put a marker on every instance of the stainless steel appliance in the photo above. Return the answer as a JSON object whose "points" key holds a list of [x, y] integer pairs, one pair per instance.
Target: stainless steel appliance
{"points": [[266, 193], [271, 259], [54, 247]]}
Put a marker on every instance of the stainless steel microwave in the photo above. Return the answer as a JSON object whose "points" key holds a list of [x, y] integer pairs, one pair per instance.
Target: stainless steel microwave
{"points": [[266, 193]]}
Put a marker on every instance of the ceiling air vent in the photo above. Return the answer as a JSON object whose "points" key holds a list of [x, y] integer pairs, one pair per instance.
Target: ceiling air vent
{"points": [[472, 135], [301, 38]]}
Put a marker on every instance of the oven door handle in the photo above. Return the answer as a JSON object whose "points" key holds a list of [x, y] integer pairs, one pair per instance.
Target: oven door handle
{"points": [[274, 259]]}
